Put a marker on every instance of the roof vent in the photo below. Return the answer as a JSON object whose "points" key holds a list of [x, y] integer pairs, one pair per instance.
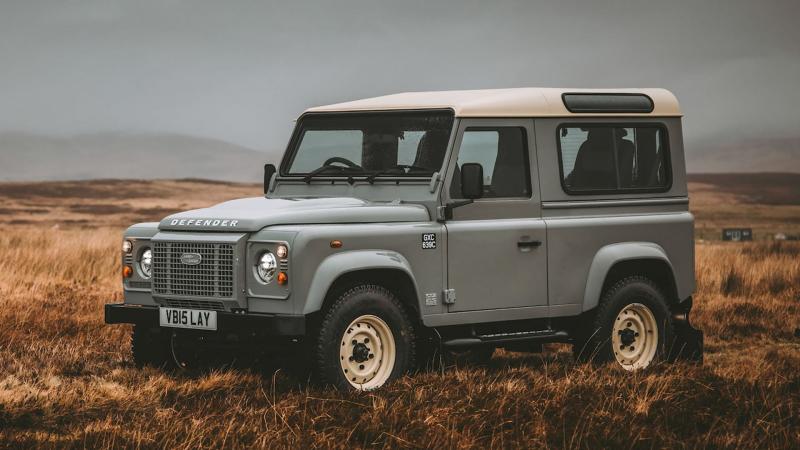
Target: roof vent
{"points": [[607, 103]]}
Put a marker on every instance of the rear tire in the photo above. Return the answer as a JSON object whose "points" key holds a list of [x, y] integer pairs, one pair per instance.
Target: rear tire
{"points": [[364, 340], [632, 326], [150, 347]]}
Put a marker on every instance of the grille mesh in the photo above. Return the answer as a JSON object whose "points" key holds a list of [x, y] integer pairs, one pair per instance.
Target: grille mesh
{"points": [[213, 277]]}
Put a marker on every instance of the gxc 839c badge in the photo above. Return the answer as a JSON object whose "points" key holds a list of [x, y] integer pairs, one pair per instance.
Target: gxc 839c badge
{"points": [[428, 241]]}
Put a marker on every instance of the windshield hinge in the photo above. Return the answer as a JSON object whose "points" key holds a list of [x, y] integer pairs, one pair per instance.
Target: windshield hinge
{"points": [[434, 181], [449, 296]]}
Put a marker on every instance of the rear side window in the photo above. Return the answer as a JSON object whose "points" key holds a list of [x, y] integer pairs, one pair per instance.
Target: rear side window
{"points": [[618, 158]]}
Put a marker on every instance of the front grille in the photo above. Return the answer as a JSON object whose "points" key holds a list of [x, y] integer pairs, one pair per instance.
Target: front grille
{"points": [[139, 284], [194, 304], [212, 277]]}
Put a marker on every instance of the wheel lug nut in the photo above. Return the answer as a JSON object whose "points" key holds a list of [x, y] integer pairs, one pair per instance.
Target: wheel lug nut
{"points": [[361, 366], [371, 356], [366, 340], [631, 347], [355, 342]]}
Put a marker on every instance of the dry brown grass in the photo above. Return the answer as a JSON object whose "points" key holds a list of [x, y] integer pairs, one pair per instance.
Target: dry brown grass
{"points": [[68, 380]]}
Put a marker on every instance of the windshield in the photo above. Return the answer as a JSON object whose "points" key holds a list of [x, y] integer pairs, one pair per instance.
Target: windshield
{"points": [[381, 144]]}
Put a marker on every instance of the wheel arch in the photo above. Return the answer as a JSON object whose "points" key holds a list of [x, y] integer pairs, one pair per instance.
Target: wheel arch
{"points": [[616, 261], [383, 267]]}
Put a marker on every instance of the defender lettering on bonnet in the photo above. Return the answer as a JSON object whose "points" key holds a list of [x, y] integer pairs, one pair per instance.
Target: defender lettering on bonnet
{"points": [[205, 222], [557, 215]]}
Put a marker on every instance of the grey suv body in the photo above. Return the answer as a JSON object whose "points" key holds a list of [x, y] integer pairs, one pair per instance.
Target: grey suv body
{"points": [[450, 223]]}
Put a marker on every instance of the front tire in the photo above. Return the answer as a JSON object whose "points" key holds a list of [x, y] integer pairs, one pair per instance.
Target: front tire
{"points": [[632, 326], [365, 339]]}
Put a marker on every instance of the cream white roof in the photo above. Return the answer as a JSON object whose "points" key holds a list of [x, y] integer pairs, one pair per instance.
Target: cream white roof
{"points": [[516, 102]]}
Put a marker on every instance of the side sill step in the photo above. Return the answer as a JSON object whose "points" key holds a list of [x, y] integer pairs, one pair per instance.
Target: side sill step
{"points": [[542, 336]]}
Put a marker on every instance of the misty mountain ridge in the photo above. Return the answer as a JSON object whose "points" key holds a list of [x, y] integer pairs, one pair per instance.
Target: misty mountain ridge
{"points": [[30, 157], [34, 157], [744, 155]]}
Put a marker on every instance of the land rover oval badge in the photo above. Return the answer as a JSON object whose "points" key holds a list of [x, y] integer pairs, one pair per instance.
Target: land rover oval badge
{"points": [[191, 259]]}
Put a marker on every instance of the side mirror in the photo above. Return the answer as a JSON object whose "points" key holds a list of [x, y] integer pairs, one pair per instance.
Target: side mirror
{"points": [[472, 180], [269, 171]]}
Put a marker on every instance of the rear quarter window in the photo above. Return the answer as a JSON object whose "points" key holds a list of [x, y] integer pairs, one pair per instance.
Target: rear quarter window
{"points": [[613, 158]]}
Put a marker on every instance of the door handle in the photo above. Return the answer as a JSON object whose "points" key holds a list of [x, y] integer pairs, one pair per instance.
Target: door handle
{"points": [[529, 244]]}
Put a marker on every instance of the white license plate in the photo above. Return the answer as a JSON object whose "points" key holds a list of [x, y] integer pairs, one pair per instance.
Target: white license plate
{"points": [[188, 318]]}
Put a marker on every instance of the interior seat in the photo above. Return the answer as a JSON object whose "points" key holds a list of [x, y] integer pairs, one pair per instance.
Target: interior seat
{"points": [[431, 150], [509, 178], [594, 163]]}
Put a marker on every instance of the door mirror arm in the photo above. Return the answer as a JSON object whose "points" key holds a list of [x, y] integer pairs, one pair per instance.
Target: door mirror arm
{"points": [[269, 172]]}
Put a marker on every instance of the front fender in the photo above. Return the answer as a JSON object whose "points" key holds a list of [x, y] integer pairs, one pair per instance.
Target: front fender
{"points": [[607, 256], [339, 264]]}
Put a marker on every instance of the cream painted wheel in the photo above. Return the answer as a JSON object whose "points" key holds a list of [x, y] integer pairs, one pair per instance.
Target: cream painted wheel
{"points": [[634, 338], [367, 352]]}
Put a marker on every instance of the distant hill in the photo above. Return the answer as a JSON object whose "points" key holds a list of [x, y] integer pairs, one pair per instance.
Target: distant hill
{"points": [[747, 155], [25, 157], [767, 188]]}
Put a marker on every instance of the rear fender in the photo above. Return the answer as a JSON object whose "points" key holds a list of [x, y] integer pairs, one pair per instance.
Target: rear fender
{"points": [[606, 257]]}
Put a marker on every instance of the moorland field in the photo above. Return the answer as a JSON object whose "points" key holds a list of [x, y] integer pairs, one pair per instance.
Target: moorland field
{"points": [[67, 380]]}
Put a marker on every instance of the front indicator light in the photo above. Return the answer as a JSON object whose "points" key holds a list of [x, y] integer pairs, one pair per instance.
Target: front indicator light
{"points": [[282, 251], [127, 271], [282, 278]]}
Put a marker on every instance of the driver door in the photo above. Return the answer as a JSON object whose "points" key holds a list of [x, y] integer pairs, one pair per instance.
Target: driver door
{"points": [[496, 246]]}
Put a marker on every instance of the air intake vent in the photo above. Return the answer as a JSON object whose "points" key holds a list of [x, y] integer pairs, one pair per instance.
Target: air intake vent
{"points": [[207, 272], [607, 103]]}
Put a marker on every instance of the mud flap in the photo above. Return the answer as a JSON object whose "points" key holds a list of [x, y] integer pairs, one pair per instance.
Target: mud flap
{"points": [[688, 343]]}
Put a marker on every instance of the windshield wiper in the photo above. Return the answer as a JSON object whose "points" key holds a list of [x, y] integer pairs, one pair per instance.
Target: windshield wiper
{"points": [[402, 168], [323, 169]]}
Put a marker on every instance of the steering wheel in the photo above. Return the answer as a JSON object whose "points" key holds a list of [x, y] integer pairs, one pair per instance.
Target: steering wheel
{"points": [[341, 160]]}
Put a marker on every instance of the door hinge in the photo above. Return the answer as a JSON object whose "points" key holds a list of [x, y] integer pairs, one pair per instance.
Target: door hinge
{"points": [[449, 296]]}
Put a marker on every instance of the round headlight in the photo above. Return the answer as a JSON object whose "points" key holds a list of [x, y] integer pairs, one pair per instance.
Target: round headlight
{"points": [[127, 246], [282, 251], [146, 263], [267, 265]]}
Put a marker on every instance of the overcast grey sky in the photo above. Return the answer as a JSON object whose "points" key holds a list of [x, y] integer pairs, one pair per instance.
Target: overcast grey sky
{"points": [[242, 71]]}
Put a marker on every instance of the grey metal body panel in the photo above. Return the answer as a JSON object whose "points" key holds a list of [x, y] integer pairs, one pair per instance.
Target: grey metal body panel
{"points": [[367, 246], [381, 227], [253, 214], [611, 254], [485, 266], [339, 264]]}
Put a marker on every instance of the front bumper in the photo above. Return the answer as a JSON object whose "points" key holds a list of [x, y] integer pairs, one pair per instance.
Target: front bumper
{"points": [[268, 324]]}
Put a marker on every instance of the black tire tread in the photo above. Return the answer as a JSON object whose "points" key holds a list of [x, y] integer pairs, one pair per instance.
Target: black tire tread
{"points": [[328, 322], [587, 347]]}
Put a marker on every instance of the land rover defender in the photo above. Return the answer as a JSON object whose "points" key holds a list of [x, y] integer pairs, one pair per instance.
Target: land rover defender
{"points": [[450, 223]]}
